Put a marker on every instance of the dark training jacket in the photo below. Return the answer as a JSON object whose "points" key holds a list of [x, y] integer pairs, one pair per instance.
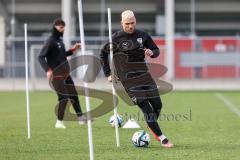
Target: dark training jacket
{"points": [[128, 51], [54, 55], [132, 45]]}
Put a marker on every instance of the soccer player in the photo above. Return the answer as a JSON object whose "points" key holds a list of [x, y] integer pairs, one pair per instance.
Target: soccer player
{"points": [[134, 44], [53, 59]]}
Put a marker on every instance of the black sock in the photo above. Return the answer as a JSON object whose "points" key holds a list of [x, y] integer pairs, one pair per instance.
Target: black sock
{"points": [[165, 141]]}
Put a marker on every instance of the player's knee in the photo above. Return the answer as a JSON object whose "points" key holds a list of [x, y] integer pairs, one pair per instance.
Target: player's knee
{"points": [[150, 117], [157, 103], [63, 98]]}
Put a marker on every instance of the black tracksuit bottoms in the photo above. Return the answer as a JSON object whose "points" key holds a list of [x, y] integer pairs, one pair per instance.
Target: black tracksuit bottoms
{"points": [[151, 108], [66, 90]]}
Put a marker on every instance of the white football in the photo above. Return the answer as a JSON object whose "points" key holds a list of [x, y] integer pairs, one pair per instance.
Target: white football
{"points": [[119, 120], [141, 139]]}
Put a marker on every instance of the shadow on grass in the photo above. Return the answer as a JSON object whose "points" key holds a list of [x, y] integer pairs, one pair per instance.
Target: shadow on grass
{"points": [[201, 146]]}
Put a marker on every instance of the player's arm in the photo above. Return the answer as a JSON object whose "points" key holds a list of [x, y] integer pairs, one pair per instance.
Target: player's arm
{"points": [[43, 54], [42, 58], [74, 48], [104, 56], [151, 48]]}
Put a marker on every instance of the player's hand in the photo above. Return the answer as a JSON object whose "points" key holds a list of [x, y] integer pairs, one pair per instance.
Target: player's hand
{"points": [[49, 73], [76, 46], [148, 52], [111, 78]]}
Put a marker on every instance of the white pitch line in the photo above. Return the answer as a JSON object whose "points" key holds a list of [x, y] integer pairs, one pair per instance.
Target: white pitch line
{"points": [[228, 104]]}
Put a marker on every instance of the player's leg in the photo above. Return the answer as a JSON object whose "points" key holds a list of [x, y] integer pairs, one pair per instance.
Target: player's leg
{"points": [[151, 118], [61, 91], [156, 104], [73, 96], [61, 107]]}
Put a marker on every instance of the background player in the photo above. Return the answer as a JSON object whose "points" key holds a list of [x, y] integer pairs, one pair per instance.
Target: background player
{"points": [[53, 59]]}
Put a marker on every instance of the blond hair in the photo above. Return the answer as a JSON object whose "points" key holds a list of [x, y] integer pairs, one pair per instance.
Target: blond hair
{"points": [[127, 14]]}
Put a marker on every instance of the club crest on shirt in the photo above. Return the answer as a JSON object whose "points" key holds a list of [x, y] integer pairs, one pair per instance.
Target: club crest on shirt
{"points": [[140, 41]]}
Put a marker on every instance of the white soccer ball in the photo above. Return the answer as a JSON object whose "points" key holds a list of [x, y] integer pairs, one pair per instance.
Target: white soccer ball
{"points": [[119, 120], [141, 139]]}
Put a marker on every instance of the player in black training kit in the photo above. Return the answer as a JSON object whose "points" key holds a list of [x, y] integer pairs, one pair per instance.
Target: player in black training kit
{"points": [[53, 59], [131, 46]]}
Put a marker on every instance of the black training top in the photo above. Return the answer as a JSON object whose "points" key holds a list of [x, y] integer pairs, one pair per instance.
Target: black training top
{"points": [[131, 45], [54, 54]]}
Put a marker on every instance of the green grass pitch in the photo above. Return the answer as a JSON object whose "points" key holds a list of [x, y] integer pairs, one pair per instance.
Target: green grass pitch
{"points": [[211, 133]]}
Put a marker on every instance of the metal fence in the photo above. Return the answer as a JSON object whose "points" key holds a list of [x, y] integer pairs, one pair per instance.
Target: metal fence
{"points": [[14, 59], [195, 58]]}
